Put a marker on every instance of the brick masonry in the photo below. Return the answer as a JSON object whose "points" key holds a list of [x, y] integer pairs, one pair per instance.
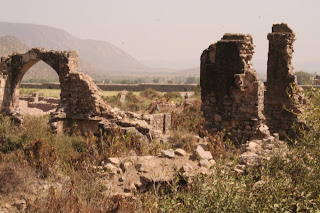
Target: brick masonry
{"points": [[232, 96], [282, 87], [80, 99]]}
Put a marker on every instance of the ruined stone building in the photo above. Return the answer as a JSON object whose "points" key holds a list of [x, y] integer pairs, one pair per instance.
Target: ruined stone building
{"points": [[80, 100], [232, 96], [282, 95]]}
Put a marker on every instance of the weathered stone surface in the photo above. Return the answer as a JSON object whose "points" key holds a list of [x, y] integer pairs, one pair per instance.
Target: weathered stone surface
{"points": [[141, 167], [250, 158], [186, 168], [169, 153], [281, 81], [21, 205], [80, 103], [180, 152], [115, 161], [110, 168], [200, 153], [232, 96], [80, 97]]}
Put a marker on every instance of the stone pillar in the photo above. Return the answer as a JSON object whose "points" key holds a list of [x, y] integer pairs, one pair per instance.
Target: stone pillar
{"points": [[232, 96], [281, 81]]}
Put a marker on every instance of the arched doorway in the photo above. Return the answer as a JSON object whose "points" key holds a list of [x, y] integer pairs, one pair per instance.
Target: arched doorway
{"points": [[79, 98]]}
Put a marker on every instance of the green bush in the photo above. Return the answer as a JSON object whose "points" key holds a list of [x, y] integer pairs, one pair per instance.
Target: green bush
{"points": [[172, 95], [286, 182], [150, 94]]}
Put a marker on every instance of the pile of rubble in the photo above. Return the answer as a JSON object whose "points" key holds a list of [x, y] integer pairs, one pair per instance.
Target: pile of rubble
{"points": [[258, 150], [141, 173]]}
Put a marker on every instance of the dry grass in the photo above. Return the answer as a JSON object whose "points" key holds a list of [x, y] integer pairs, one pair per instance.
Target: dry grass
{"points": [[15, 177]]}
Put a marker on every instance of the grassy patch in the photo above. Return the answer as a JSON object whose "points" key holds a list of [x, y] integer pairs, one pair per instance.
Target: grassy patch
{"points": [[54, 93]]}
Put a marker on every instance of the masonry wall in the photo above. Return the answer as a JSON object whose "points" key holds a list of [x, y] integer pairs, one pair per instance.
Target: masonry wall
{"points": [[232, 96], [281, 81], [80, 98]]}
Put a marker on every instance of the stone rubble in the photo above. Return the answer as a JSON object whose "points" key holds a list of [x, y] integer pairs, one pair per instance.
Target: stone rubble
{"points": [[200, 154], [258, 150], [140, 173]]}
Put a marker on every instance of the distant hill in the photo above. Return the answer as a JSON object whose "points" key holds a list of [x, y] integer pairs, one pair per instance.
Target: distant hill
{"points": [[100, 57], [10, 44]]}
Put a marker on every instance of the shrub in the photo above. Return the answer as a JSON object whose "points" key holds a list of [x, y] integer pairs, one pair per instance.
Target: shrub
{"points": [[150, 94], [172, 95], [41, 155], [14, 177], [197, 92], [190, 119]]}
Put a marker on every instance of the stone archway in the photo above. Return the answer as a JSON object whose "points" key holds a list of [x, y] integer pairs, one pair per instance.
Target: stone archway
{"points": [[79, 98]]}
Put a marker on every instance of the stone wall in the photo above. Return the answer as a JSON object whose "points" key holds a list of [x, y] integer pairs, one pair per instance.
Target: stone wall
{"points": [[232, 96], [80, 100], [281, 81], [79, 95], [121, 87], [235, 100]]}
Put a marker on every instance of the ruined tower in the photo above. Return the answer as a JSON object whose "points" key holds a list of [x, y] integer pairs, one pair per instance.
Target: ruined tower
{"points": [[232, 96], [282, 95]]}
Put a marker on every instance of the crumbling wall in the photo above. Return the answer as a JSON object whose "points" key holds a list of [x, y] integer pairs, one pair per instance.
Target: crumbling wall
{"points": [[281, 81], [232, 96], [80, 98], [80, 101]]}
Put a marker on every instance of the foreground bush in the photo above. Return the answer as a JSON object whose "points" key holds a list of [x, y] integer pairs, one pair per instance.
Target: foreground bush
{"points": [[287, 182], [151, 94]]}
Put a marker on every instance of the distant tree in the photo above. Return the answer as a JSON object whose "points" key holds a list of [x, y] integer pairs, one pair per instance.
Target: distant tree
{"points": [[304, 77], [156, 80], [139, 81], [191, 80], [97, 81], [170, 82], [106, 81], [125, 82]]}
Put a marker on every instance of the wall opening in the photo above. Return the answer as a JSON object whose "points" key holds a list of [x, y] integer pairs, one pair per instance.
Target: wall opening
{"points": [[34, 101]]}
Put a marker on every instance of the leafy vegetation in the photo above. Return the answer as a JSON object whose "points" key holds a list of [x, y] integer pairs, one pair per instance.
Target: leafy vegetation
{"points": [[304, 78], [286, 182]]}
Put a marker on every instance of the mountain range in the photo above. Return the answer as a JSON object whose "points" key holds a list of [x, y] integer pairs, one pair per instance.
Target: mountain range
{"points": [[99, 58]]}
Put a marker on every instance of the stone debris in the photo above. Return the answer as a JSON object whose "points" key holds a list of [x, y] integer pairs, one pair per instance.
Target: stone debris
{"points": [[140, 173], [200, 153], [258, 150], [142, 167], [169, 153], [21, 205], [114, 161], [180, 152]]}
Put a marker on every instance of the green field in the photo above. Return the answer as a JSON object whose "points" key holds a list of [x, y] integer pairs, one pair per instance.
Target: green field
{"points": [[55, 93]]}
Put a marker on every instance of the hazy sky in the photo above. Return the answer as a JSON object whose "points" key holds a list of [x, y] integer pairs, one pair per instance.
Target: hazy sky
{"points": [[174, 30]]}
